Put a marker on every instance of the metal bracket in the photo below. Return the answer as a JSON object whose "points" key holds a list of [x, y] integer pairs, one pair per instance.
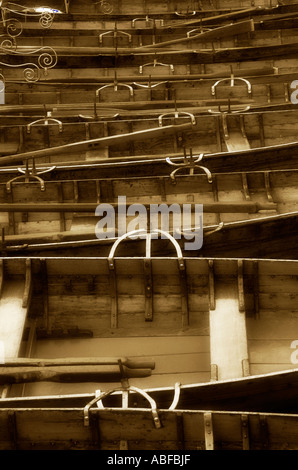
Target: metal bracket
{"points": [[223, 115], [150, 85], [115, 85], [176, 398], [148, 236], [176, 115], [45, 121], [229, 110], [232, 84], [146, 19], [197, 30], [213, 230], [191, 13], [29, 173], [147, 270], [154, 64], [191, 163], [115, 34], [125, 391]]}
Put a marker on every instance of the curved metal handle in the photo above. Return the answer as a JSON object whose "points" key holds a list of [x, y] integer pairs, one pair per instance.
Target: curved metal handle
{"points": [[196, 30], [147, 19], [191, 13], [45, 121], [115, 85], [229, 110], [176, 115], [176, 396], [115, 34], [149, 85], [154, 64], [148, 245], [130, 388], [29, 173], [232, 82], [190, 163]]}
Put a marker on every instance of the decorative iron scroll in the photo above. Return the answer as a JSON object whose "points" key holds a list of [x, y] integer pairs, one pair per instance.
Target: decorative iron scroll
{"points": [[45, 14], [11, 29], [47, 59], [105, 7]]}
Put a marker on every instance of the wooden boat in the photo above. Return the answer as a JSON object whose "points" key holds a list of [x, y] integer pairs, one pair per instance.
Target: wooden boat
{"points": [[64, 210], [211, 134], [270, 237], [261, 296], [103, 337]]}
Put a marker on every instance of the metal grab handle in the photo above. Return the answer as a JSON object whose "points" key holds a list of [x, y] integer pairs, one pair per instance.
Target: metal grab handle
{"points": [[196, 31], [191, 13], [148, 245], [45, 121], [229, 110], [176, 396], [232, 82], [115, 34], [191, 163], [149, 84], [176, 115], [154, 64], [29, 173], [124, 391], [115, 85], [147, 19]]}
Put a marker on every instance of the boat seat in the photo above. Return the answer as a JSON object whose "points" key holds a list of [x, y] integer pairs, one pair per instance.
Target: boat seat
{"points": [[236, 140]]}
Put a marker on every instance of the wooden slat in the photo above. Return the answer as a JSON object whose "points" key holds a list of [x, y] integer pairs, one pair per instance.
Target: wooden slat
{"points": [[227, 332]]}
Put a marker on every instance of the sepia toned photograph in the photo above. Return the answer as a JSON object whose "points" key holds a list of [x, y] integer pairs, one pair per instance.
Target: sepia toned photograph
{"points": [[148, 228]]}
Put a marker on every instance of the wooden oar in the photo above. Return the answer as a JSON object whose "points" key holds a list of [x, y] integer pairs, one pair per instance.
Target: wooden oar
{"points": [[94, 144], [214, 207]]}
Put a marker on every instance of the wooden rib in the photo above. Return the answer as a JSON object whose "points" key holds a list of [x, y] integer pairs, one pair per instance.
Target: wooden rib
{"points": [[1, 276], [28, 284], [241, 299], [209, 437], [148, 289], [245, 431]]}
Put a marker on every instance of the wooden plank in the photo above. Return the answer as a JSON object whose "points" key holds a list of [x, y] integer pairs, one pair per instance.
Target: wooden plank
{"points": [[227, 332], [50, 428], [12, 316]]}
